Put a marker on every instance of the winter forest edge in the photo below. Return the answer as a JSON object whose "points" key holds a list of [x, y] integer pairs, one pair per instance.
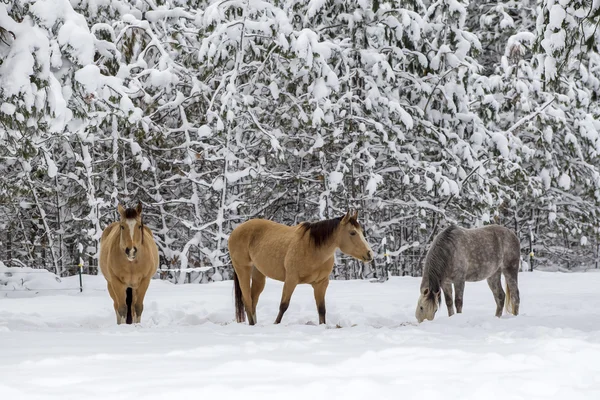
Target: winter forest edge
{"points": [[416, 113]]}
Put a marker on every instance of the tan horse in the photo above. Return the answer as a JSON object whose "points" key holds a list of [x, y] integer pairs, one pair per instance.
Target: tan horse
{"points": [[128, 260], [293, 254]]}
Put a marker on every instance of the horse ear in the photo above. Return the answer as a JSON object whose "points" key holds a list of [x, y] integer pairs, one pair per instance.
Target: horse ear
{"points": [[346, 217], [355, 216], [139, 208], [121, 210]]}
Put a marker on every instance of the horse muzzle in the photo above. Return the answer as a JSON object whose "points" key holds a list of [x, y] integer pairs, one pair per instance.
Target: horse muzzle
{"points": [[368, 257], [131, 253]]}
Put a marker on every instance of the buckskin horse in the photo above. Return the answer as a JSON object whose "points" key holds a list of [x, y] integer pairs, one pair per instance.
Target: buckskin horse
{"points": [[128, 260], [292, 254]]}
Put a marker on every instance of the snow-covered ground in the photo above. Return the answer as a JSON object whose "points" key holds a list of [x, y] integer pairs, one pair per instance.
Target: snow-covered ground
{"points": [[66, 345]]}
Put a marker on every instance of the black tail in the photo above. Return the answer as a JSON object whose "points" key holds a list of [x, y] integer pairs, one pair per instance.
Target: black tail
{"points": [[240, 315], [128, 301]]}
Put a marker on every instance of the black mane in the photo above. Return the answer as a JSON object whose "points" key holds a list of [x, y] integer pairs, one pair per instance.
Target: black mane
{"points": [[438, 257], [320, 232]]}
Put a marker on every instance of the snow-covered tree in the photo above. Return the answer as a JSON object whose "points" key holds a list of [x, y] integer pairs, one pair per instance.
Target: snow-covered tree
{"points": [[417, 113]]}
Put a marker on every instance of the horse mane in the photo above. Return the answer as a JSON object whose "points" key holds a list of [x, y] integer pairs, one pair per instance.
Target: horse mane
{"points": [[320, 232], [442, 249]]}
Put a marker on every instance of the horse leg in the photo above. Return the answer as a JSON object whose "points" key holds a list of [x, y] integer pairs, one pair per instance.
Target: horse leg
{"points": [[258, 284], [495, 284], [319, 289], [459, 288], [512, 290], [119, 292], [447, 289], [243, 276], [138, 300], [288, 288], [114, 298]]}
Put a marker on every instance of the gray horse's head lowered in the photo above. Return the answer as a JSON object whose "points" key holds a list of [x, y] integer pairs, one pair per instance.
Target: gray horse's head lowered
{"points": [[427, 305], [436, 263], [458, 255]]}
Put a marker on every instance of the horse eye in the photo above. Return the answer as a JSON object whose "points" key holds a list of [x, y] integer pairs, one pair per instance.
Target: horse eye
{"points": [[421, 308], [352, 233]]}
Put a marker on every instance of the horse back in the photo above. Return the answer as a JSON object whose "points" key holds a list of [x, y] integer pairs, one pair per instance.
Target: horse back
{"points": [[497, 243], [261, 243], [505, 238], [483, 250], [255, 231]]}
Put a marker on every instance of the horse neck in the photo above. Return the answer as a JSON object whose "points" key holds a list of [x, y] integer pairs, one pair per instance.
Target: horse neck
{"points": [[333, 244], [433, 275], [328, 250], [325, 251]]}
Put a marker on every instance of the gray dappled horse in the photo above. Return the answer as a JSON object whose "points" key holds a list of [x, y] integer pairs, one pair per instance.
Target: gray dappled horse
{"points": [[458, 255]]}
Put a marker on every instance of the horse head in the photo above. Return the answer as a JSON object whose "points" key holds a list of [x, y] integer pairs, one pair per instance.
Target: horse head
{"points": [[352, 239], [427, 305], [132, 230]]}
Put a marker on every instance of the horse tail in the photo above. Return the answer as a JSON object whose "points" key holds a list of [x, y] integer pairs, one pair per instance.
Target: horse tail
{"points": [[508, 305], [128, 301], [240, 315]]}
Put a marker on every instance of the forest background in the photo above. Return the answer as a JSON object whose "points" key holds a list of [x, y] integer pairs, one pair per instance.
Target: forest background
{"points": [[416, 113]]}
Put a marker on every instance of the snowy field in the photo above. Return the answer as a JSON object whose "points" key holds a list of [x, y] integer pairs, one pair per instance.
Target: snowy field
{"points": [[66, 345]]}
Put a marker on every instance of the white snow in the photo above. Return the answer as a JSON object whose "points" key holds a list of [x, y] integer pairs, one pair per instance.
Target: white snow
{"points": [[428, 184], [65, 345], [501, 143], [444, 189], [89, 77], [307, 44], [135, 147], [404, 116], [8, 109], [274, 90], [52, 169], [314, 6], [557, 16], [564, 181], [550, 67], [161, 79], [319, 142], [233, 176], [318, 116], [373, 182], [335, 179], [80, 39], [320, 89]]}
